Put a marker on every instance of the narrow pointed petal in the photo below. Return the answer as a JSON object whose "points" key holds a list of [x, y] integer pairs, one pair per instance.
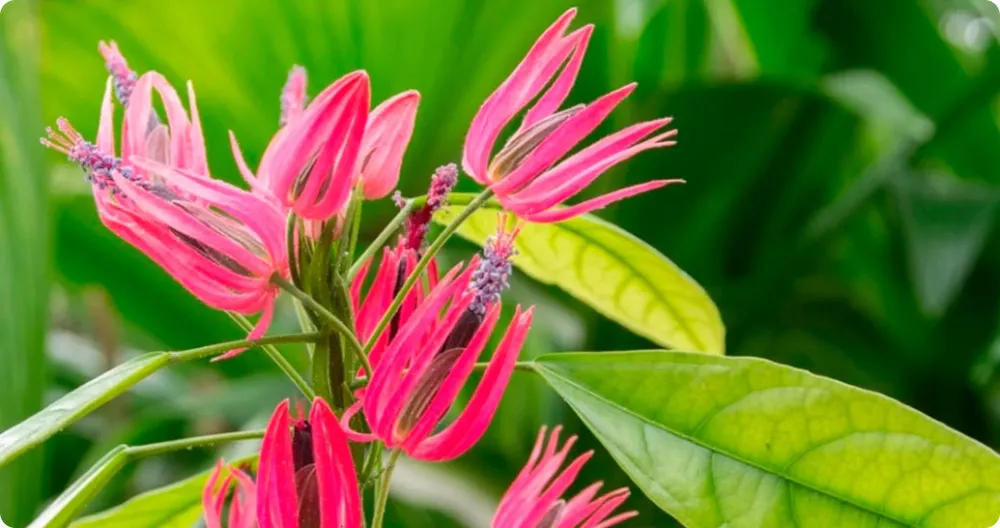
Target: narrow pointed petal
{"points": [[466, 430], [340, 501], [387, 135], [277, 500], [558, 215]]}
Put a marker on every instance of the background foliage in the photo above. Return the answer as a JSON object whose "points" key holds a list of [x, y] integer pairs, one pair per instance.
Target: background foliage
{"points": [[842, 167]]}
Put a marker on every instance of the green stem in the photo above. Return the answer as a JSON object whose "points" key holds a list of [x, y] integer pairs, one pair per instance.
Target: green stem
{"points": [[218, 348], [432, 250], [279, 359], [355, 213], [330, 318], [188, 443], [382, 494], [382, 237]]}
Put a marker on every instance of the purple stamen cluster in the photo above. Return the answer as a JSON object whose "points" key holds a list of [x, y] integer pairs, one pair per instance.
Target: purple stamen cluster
{"points": [[122, 77], [443, 181], [492, 276], [97, 165]]}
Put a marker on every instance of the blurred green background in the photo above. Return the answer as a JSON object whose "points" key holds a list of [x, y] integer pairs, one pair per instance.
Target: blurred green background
{"points": [[843, 168]]}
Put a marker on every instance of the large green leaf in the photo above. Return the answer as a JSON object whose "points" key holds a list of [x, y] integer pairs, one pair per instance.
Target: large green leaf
{"points": [[77, 404], [743, 442], [24, 250], [617, 274]]}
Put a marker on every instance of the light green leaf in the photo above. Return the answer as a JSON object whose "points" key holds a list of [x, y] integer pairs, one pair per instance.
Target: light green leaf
{"points": [[77, 404], [617, 274], [746, 443], [175, 506]]}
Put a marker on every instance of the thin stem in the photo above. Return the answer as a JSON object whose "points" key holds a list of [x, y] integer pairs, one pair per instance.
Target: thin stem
{"points": [[382, 494], [279, 359], [211, 350], [432, 250], [188, 443], [382, 237], [355, 213], [330, 318]]}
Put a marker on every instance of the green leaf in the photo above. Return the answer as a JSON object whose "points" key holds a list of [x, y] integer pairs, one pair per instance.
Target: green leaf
{"points": [[617, 274], [66, 507], [743, 442], [946, 222], [175, 506], [24, 250], [77, 404]]}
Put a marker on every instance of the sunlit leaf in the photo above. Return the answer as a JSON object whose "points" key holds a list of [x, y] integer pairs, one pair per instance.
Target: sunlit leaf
{"points": [[617, 274], [743, 442]]}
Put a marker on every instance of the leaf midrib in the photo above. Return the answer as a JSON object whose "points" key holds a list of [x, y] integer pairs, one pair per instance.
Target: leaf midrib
{"points": [[542, 366]]}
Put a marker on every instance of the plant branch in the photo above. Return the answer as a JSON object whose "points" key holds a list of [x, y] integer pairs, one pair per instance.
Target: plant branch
{"points": [[432, 250], [382, 493], [382, 237], [279, 359], [335, 321]]}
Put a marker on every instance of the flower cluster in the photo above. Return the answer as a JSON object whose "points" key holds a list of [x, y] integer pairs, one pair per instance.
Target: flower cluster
{"points": [[392, 356]]}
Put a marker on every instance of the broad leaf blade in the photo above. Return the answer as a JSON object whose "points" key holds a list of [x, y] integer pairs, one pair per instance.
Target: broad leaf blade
{"points": [[743, 442], [77, 404], [617, 274]]}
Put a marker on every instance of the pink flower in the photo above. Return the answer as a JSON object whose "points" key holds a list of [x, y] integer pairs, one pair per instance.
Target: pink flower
{"points": [[306, 478], [531, 174], [426, 364], [311, 163], [394, 268], [535, 496], [387, 135], [221, 243]]}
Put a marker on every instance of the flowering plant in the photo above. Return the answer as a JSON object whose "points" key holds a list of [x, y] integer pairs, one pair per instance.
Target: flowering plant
{"points": [[394, 340]]}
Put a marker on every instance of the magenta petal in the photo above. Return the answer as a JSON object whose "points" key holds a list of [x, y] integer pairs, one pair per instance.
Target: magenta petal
{"points": [[277, 499], [523, 84], [466, 430], [106, 126], [387, 135], [212, 499], [562, 140], [558, 215], [340, 501]]}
